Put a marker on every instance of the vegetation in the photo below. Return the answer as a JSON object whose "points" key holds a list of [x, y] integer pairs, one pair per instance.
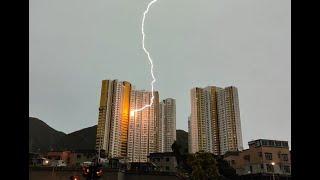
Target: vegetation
{"points": [[182, 139], [176, 148], [204, 166], [225, 169]]}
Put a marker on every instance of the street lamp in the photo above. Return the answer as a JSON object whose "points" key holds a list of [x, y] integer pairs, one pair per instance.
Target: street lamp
{"points": [[273, 169]]}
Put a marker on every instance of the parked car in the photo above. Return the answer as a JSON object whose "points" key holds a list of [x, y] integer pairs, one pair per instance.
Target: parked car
{"points": [[86, 163], [61, 163], [58, 163], [41, 161]]}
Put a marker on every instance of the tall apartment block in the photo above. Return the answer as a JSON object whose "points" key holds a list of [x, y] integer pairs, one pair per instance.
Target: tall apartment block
{"points": [[142, 132], [214, 123], [229, 120], [114, 110], [167, 124]]}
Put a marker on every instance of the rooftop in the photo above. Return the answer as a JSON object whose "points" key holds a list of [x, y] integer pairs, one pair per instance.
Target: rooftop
{"points": [[164, 154], [268, 143]]}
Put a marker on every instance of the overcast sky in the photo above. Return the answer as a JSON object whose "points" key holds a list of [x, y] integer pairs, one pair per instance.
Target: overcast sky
{"points": [[74, 44]]}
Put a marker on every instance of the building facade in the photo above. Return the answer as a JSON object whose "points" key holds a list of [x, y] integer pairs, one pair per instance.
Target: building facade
{"points": [[214, 123], [167, 124], [165, 162], [262, 157], [71, 158], [142, 131], [114, 111], [229, 120]]}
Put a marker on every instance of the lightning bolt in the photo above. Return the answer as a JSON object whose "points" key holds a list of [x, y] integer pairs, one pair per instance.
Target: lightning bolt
{"points": [[149, 57]]}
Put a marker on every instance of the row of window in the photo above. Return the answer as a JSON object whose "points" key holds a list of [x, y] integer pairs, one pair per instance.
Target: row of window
{"points": [[270, 168], [268, 156], [271, 143]]}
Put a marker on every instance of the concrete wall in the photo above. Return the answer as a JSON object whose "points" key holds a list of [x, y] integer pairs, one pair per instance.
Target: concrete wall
{"points": [[131, 176], [65, 175]]}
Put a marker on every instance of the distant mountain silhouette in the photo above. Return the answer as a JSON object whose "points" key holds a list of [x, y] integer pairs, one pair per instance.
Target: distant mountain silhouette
{"points": [[82, 139], [43, 138]]}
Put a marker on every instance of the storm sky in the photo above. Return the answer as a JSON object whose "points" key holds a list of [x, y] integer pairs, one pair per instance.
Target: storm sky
{"points": [[74, 44]]}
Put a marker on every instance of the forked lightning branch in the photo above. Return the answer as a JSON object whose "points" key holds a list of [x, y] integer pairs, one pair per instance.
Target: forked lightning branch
{"points": [[149, 58]]}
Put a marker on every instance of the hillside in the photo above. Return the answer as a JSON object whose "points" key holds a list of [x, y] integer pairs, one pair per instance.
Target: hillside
{"points": [[82, 139], [44, 138]]}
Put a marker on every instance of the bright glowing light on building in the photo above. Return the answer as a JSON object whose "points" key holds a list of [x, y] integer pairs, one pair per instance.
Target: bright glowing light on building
{"points": [[131, 113]]}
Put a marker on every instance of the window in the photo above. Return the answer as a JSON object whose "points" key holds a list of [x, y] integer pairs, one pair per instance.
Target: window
{"points": [[269, 168], [261, 166], [78, 156], [286, 169], [284, 157], [271, 143], [258, 144], [264, 142], [167, 159], [167, 168], [260, 154], [233, 162], [268, 156]]}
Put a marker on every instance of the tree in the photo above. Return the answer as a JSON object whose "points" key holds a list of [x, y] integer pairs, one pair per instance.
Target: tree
{"points": [[176, 151], [225, 169], [204, 166]]}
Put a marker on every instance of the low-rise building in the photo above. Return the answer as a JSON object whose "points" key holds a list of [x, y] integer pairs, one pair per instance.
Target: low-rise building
{"points": [[36, 159], [263, 157], [164, 162], [141, 167], [71, 158], [79, 156]]}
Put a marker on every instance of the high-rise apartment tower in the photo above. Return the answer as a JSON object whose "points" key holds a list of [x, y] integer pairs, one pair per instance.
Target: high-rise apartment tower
{"points": [[114, 110], [142, 132], [167, 124], [214, 124]]}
